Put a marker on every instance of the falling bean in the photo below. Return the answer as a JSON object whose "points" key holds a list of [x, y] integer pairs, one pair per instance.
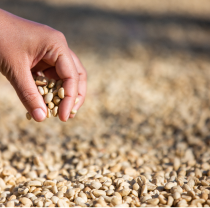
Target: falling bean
{"points": [[55, 111], [48, 113], [28, 116]]}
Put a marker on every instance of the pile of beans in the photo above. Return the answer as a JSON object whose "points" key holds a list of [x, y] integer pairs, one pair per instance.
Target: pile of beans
{"points": [[52, 92], [85, 176]]}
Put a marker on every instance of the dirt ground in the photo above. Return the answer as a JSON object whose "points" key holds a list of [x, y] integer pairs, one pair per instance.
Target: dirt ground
{"points": [[148, 65]]}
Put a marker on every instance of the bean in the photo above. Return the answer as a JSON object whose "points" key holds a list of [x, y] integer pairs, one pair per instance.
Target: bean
{"points": [[54, 199], [48, 97], [49, 183], [77, 100], [56, 100], [41, 90], [40, 83], [40, 204], [55, 92], [116, 201], [25, 201], [51, 105], [34, 183], [45, 90], [74, 111], [79, 201], [176, 195], [23, 190], [55, 111], [95, 185], [62, 203], [42, 78], [28, 116], [12, 197], [10, 204], [98, 193], [48, 113], [52, 83], [59, 83], [83, 171], [153, 201], [52, 175], [61, 93], [125, 192]]}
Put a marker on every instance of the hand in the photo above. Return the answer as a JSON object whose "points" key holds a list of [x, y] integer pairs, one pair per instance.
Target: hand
{"points": [[27, 47]]}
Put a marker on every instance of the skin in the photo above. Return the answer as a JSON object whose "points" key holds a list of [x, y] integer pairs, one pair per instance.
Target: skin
{"points": [[27, 47]]}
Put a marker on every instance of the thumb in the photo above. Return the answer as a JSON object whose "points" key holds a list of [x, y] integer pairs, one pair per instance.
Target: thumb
{"points": [[27, 91]]}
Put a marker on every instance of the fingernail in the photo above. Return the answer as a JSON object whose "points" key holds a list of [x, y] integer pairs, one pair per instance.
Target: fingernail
{"points": [[38, 114], [67, 117]]}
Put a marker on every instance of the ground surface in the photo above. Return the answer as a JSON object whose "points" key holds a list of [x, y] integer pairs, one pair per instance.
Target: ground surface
{"points": [[145, 125]]}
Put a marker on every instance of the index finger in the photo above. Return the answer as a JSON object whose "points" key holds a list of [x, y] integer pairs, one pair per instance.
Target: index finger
{"points": [[66, 70]]}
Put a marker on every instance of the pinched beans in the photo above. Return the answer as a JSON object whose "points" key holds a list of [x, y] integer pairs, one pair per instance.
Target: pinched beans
{"points": [[53, 93]]}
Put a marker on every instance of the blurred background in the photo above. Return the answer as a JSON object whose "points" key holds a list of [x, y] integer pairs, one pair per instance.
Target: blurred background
{"points": [[148, 77]]}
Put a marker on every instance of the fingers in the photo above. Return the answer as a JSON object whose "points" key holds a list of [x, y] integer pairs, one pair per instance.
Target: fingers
{"points": [[68, 68], [51, 73], [82, 84], [27, 91], [40, 66], [48, 70], [67, 71]]}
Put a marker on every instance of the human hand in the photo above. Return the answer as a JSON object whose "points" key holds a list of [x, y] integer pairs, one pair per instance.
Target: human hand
{"points": [[27, 47]]}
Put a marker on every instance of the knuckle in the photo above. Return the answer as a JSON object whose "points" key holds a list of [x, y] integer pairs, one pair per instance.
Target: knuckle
{"points": [[85, 75], [76, 77], [59, 35], [82, 71], [45, 28], [75, 57], [28, 96]]}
